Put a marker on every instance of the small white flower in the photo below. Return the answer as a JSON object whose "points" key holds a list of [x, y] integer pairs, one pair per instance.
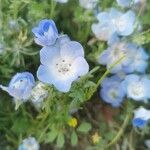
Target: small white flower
{"points": [[39, 93], [29, 144], [137, 87], [142, 113], [141, 117]]}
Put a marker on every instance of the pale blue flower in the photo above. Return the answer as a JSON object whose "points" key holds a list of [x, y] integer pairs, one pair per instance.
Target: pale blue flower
{"points": [[136, 87], [20, 86], [139, 63], [29, 144], [46, 33], [128, 3], [141, 117], [115, 52], [111, 91], [62, 64], [62, 1], [88, 4], [114, 22]]}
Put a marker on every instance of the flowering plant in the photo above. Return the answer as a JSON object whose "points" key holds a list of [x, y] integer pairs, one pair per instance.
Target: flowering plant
{"points": [[74, 74]]}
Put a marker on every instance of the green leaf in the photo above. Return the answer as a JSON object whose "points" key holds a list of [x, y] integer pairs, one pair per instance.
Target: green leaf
{"points": [[60, 140], [74, 138], [51, 136], [84, 127], [21, 125]]}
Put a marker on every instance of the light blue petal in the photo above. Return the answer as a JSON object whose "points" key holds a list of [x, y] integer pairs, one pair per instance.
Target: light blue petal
{"points": [[45, 74], [72, 50], [129, 26], [103, 17], [103, 59], [114, 13], [124, 3], [48, 54], [63, 86], [81, 65]]}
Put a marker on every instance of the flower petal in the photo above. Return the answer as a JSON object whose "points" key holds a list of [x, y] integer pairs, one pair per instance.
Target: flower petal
{"points": [[81, 65], [72, 50], [48, 54], [45, 75]]}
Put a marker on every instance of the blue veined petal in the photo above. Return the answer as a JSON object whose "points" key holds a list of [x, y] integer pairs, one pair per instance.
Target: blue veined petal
{"points": [[72, 50], [48, 54], [45, 74], [63, 86], [46, 33], [128, 27], [81, 65]]}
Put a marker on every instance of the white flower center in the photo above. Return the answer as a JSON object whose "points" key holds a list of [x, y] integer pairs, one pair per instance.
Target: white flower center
{"points": [[113, 94], [136, 90], [63, 66]]}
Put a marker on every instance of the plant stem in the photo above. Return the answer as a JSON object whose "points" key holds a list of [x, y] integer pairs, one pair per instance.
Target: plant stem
{"points": [[121, 131], [108, 70]]}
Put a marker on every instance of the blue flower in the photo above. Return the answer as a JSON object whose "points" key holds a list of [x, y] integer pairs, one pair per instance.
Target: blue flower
{"points": [[62, 64], [88, 4], [20, 86], [139, 63], [62, 1], [114, 22], [128, 3], [141, 117], [115, 52], [29, 144], [46, 33], [136, 87], [111, 91]]}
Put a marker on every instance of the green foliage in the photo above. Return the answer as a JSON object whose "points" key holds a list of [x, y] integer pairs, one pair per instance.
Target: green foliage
{"points": [[49, 124], [84, 127]]}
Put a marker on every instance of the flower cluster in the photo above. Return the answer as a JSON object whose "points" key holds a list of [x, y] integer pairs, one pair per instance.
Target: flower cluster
{"points": [[114, 23], [113, 27], [62, 60]]}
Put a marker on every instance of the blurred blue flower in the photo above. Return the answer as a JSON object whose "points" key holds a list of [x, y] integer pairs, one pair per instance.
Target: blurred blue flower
{"points": [[62, 1], [136, 87], [88, 4], [115, 52], [141, 117], [20, 86], [111, 91], [113, 22], [46, 33], [139, 63], [62, 64], [29, 144], [128, 3]]}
